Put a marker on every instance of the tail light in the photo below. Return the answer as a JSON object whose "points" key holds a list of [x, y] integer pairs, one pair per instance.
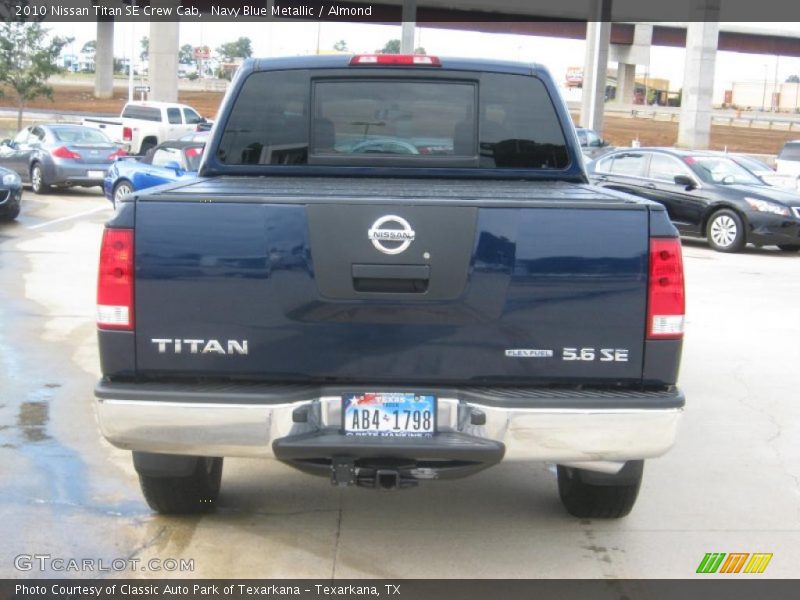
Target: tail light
{"points": [[420, 60], [666, 297], [127, 134], [64, 152], [115, 155], [115, 280]]}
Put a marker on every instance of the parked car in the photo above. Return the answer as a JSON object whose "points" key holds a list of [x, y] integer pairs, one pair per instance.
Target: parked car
{"points": [[59, 155], [389, 314], [168, 162], [196, 136], [764, 172], [592, 145], [143, 125], [788, 160], [706, 195], [10, 194]]}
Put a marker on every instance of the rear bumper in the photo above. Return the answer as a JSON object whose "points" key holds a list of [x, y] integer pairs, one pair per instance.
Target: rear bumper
{"points": [[302, 422], [70, 173]]}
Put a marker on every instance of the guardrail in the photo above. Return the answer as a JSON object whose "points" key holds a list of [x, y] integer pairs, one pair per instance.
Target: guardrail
{"points": [[730, 118]]}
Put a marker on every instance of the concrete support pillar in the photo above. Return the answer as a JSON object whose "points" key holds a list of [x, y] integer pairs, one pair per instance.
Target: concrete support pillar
{"points": [[409, 24], [626, 83], [598, 33], [694, 130], [163, 59], [104, 60]]}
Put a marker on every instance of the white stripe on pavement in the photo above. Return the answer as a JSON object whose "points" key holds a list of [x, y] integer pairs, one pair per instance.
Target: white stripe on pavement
{"points": [[75, 216]]}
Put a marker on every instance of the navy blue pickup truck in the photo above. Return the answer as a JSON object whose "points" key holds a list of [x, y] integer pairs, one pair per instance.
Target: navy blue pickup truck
{"points": [[391, 269]]}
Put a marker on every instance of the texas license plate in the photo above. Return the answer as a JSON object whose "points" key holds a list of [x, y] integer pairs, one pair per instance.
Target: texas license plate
{"points": [[96, 174], [401, 414]]}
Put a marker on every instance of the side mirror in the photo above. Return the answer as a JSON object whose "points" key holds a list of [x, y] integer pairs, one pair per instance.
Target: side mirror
{"points": [[685, 181], [174, 166]]}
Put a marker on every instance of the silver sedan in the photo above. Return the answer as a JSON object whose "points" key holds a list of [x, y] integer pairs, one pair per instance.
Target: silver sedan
{"points": [[59, 155]]}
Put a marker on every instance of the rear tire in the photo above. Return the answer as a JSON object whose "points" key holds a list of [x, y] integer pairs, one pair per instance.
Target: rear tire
{"points": [[146, 146], [195, 493], [789, 247], [725, 231], [589, 495], [38, 184], [121, 189]]}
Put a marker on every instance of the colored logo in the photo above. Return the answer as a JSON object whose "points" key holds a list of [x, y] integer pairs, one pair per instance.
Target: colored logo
{"points": [[734, 562]]}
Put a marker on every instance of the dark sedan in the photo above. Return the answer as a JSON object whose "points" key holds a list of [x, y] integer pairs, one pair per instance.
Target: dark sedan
{"points": [[59, 155], [10, 194], [706, 195]]}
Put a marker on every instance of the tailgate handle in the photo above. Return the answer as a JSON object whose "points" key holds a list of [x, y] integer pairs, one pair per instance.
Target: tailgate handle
{"points": [[391, 279]]}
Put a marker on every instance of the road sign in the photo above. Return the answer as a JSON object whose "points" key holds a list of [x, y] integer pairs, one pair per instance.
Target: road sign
{"points": [[202, 53]]}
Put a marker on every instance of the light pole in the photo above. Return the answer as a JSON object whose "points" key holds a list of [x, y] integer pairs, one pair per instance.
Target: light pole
{"points": [[130, 63], [764, 96]]}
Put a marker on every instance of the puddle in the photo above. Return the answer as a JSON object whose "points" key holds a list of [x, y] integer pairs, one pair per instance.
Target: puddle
{"points": [[32, 420]]}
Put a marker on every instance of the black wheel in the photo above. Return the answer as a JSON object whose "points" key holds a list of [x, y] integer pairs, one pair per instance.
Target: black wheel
{"points": [[146, 146], [123, 188], [589, 495], [10, 214], [725, 231], [38, 184], [195, 493], [789, 247]]}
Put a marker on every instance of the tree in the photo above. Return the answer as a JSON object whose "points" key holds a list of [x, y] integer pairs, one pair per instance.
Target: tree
{"points": [[340, 46], [144, 43], [186, 54], [390, 47], [393, 47], [793, 79], [89, 47], [241, 48], [28, 58]]}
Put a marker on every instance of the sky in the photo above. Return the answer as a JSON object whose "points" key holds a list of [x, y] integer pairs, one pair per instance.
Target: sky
{"points": [[289, 39]]}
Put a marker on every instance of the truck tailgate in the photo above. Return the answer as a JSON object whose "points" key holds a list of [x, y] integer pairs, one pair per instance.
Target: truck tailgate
{"points": [[503, 282]]}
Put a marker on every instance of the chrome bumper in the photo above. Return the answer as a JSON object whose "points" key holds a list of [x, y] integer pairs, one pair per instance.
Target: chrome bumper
{"points": [[194, 424]]}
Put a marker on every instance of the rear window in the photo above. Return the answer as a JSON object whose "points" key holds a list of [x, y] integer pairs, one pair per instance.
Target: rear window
{"points": [[482, 120], [144, 113], [82, 135], [790, 152]]}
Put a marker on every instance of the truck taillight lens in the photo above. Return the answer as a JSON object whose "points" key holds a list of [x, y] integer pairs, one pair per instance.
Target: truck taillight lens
{"points": [[115, 280], [64, 152], [666, 298], [127, 134]]}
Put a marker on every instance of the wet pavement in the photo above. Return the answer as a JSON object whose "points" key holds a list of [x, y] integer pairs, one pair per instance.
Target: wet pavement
{"points": [[732, 484]]}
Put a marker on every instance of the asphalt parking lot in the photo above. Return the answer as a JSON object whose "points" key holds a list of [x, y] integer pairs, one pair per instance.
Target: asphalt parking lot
{"points": [[731, 484]]}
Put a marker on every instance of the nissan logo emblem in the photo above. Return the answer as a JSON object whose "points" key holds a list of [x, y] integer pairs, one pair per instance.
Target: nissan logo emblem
{"points": [[395, 238]]}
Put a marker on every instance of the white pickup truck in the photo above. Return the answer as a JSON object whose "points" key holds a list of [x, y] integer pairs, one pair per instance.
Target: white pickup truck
{"points": [[143, 125]]}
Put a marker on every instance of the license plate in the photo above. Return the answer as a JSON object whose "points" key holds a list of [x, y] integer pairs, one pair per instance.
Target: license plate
{"points": [[400, 414], [96, 174]]}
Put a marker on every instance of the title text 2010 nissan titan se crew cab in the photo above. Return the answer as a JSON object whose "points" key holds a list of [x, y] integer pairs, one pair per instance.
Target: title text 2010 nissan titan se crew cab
{"points": [[391, 269]]}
